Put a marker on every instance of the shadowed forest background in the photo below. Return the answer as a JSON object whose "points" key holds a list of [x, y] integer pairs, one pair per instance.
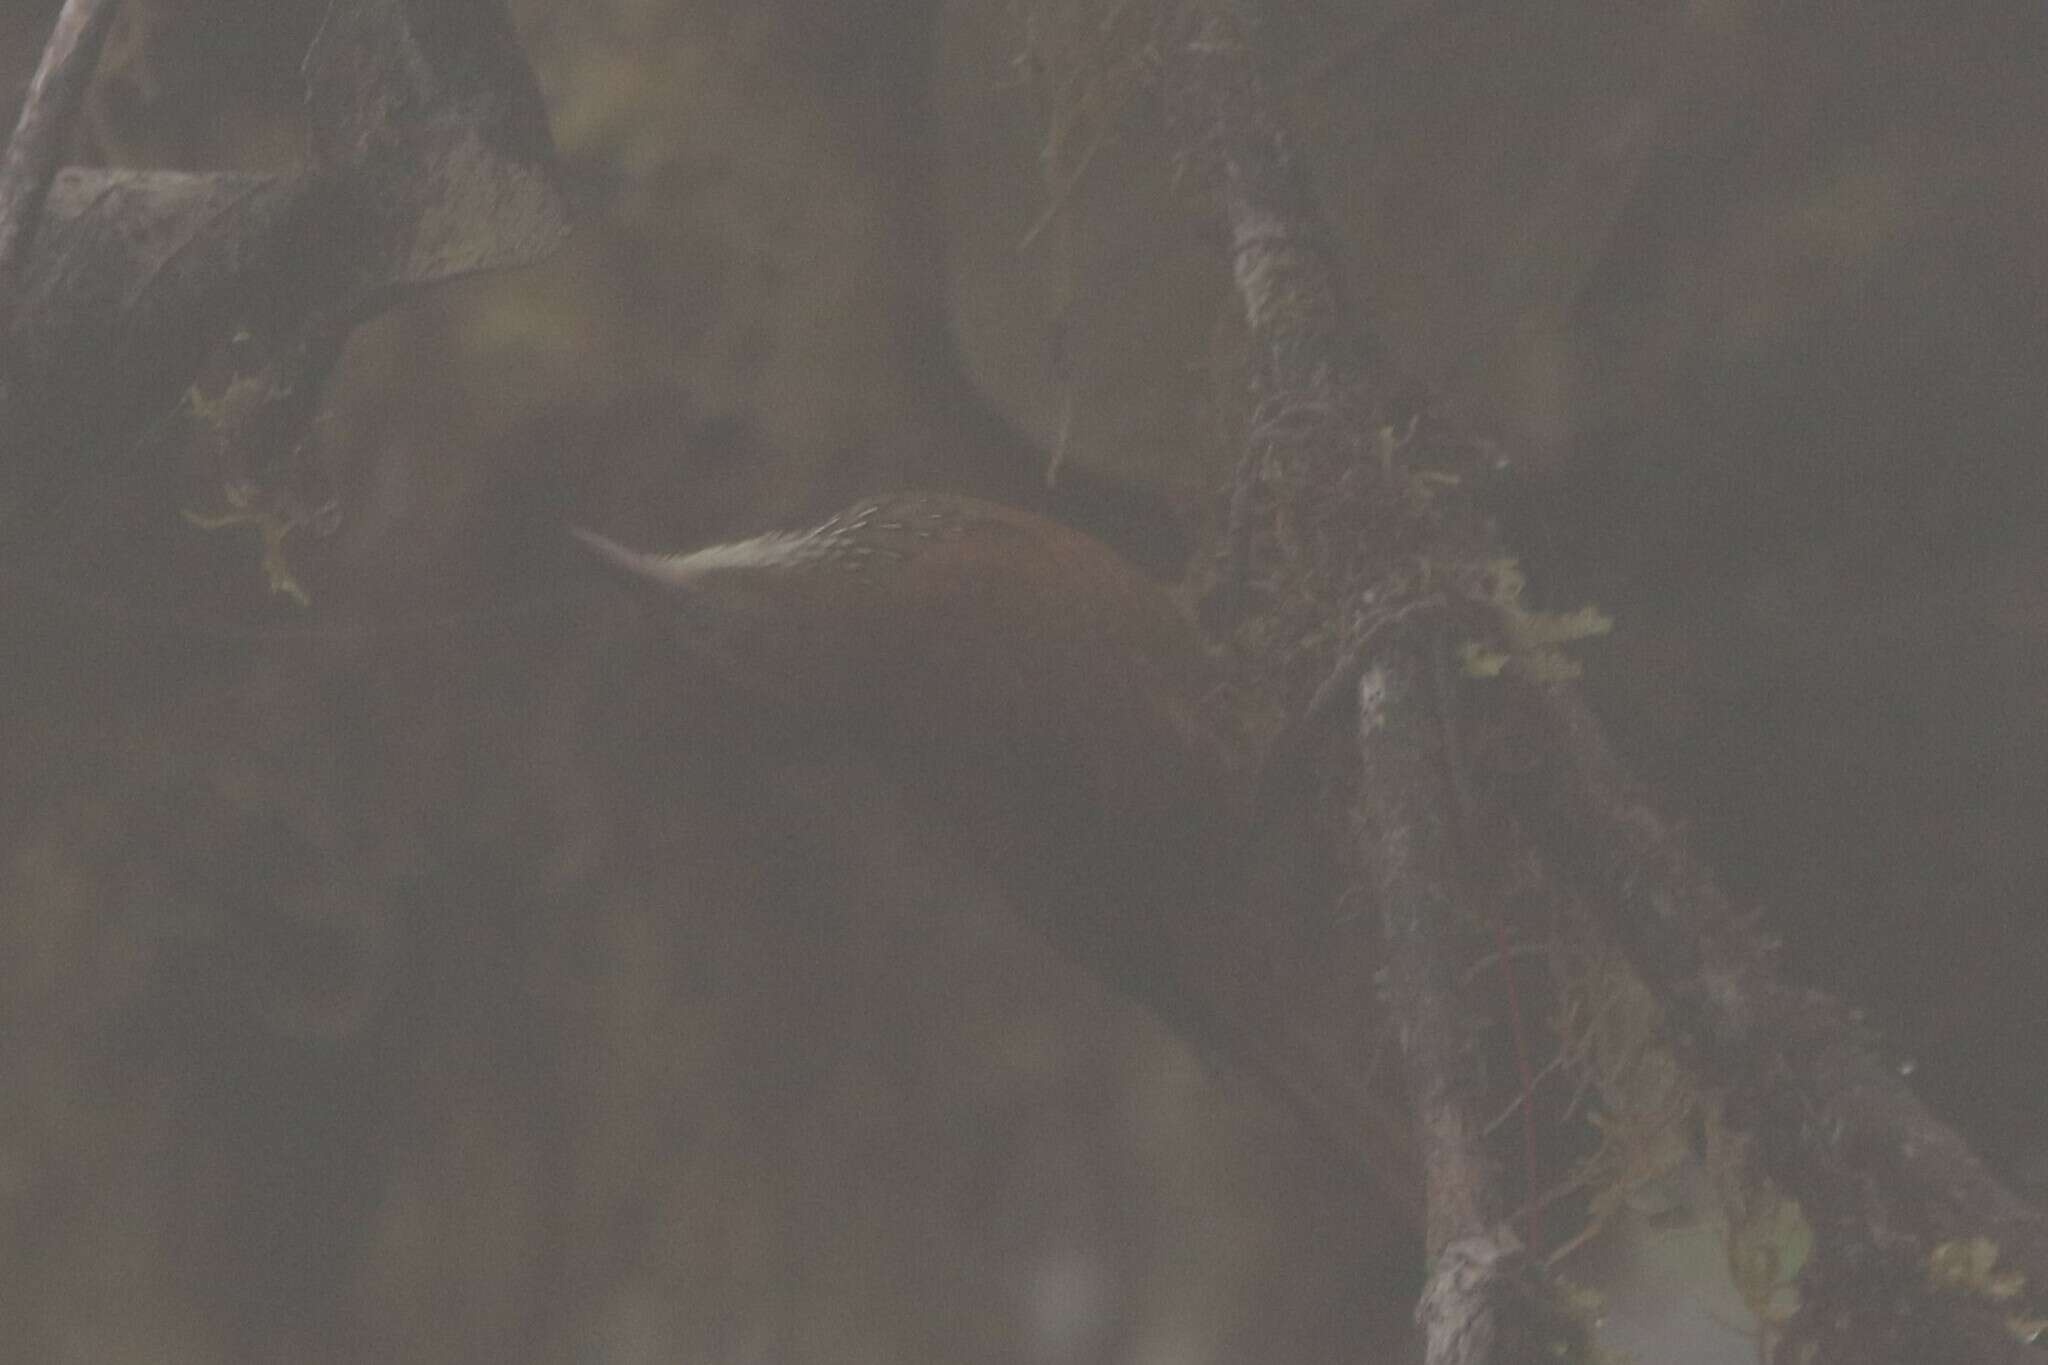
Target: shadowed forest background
{"points": [[444, 972]]}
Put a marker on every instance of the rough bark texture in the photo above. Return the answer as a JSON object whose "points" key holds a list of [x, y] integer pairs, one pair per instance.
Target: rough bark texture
{"points": [[1486, 1300]]}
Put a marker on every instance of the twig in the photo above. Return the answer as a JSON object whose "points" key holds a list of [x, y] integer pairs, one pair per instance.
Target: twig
{"points": [[1059, 196], [30, 163]]}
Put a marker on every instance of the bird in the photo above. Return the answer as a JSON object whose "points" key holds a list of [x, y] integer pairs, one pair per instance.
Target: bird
{"points": [[1044, 701], [1057, 713]]}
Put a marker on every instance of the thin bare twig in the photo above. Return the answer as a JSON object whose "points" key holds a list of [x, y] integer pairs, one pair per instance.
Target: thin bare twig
{"points": [[49, 110]]}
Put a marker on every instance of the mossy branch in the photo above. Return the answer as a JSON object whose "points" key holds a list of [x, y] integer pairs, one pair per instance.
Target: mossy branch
{"points": [[1327, 527]]}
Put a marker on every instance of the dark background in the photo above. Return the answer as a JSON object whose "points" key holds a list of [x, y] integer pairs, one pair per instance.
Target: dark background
{"points": [[449, 972]]}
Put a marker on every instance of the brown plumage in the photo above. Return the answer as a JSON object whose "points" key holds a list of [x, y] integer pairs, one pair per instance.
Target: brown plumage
{"points": [[1042, 701], [1036, 694]]}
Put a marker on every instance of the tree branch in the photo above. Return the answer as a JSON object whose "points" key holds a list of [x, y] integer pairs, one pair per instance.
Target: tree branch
{"points": [[1346, 516], [228, 298], [1894, 1195], [1485, 1300]]}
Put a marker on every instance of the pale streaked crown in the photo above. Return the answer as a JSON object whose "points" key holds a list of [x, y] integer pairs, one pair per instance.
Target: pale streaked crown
{"points": [[777, 549], [891, 528]]}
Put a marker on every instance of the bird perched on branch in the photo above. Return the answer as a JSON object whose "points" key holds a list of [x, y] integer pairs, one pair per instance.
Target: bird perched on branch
{"points": [[1047, 705]]}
